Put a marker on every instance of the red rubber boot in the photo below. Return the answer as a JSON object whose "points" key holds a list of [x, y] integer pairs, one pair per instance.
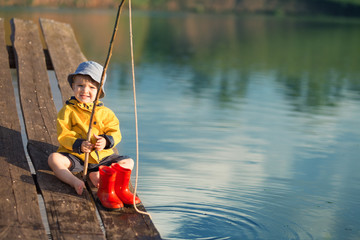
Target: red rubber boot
{"points": [[106, 192], [122, 185]]}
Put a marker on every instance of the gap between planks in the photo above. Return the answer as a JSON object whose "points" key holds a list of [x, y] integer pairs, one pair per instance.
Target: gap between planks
{"points": [[57, 100]]}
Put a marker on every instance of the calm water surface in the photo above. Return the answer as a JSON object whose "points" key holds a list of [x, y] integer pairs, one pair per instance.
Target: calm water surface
{"points": [[249, 126]]}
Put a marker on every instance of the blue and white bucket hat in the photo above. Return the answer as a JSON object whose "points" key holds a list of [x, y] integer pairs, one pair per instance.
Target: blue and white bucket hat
{"points": [[92, 69]]}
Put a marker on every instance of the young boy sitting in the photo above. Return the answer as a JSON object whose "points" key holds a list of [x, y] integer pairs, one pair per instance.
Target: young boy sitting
{"points": [[72, 127]]}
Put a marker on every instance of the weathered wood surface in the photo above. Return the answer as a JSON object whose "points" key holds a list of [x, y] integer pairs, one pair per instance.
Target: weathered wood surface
{"points": [[19, 210], [126, 224], [64, 51], [12, 63], [70, 216]]}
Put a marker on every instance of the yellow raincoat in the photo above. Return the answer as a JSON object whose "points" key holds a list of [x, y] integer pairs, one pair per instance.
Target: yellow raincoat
{"points": [[73, 124]]}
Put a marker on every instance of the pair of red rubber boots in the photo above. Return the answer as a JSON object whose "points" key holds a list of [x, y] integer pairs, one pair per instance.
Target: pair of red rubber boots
{"points": [[113, 190]]}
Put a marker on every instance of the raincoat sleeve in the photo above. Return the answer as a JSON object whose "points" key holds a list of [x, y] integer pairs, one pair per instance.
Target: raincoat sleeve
{"points": [[111, 130], [67, 137]]}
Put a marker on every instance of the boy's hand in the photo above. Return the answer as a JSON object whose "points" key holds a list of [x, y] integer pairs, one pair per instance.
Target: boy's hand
{"points": [[100, 142], [86, 147]]}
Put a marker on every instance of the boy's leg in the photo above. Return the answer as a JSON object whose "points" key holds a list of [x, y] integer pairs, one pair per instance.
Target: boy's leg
{"points": [[60, 165], [95, 178], [127, 163]]}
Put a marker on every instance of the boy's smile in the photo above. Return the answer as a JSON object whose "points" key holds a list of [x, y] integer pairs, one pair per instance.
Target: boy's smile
{"points": [[84, 88]]}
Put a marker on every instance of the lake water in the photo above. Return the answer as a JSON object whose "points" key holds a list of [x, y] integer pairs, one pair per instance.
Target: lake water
{"points": [[249, 125]]}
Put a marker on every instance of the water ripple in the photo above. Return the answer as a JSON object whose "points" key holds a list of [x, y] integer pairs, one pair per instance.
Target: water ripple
{"points": [[202, 221], [205, 211]]}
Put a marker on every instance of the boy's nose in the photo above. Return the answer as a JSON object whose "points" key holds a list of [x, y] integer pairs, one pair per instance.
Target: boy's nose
{"points": [[85, 89]]}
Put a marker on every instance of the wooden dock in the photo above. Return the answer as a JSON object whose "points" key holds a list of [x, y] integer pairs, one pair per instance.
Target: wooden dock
{"points": [[69, 215]]}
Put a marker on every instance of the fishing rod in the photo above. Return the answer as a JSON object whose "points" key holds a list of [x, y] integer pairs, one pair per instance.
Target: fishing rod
{"points": [[134, 92], [86, 163]]}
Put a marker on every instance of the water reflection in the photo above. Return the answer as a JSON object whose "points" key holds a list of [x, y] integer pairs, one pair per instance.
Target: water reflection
{"points": [[230, 50], [249, 126], [253, 117]]}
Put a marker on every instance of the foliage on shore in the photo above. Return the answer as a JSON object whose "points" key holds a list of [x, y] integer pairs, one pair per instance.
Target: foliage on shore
{"points": [[332, 7]]}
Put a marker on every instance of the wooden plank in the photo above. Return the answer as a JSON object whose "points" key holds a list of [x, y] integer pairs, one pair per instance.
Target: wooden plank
{"points": [[66, 55], [70, 216], [20, 214], [64, 51], [127, 223], [12, 64]]}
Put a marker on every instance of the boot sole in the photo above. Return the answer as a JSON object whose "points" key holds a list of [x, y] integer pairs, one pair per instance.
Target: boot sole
{"points": [[132, 205], [108, 209]]}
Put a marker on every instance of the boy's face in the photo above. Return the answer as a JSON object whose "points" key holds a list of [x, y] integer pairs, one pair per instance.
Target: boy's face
{"points": [[84, 88]]}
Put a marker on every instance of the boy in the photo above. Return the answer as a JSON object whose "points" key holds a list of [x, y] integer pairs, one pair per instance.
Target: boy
{"points": [[72, 126]]}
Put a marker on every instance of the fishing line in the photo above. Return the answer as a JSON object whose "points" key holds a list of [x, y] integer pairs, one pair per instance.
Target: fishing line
{"points": [[135, 111]]}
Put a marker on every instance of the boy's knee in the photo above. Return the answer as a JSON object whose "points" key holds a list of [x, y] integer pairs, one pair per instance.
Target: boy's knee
{"points": [[56, 160], [51, 159], [130, 163], [127, 163]]}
